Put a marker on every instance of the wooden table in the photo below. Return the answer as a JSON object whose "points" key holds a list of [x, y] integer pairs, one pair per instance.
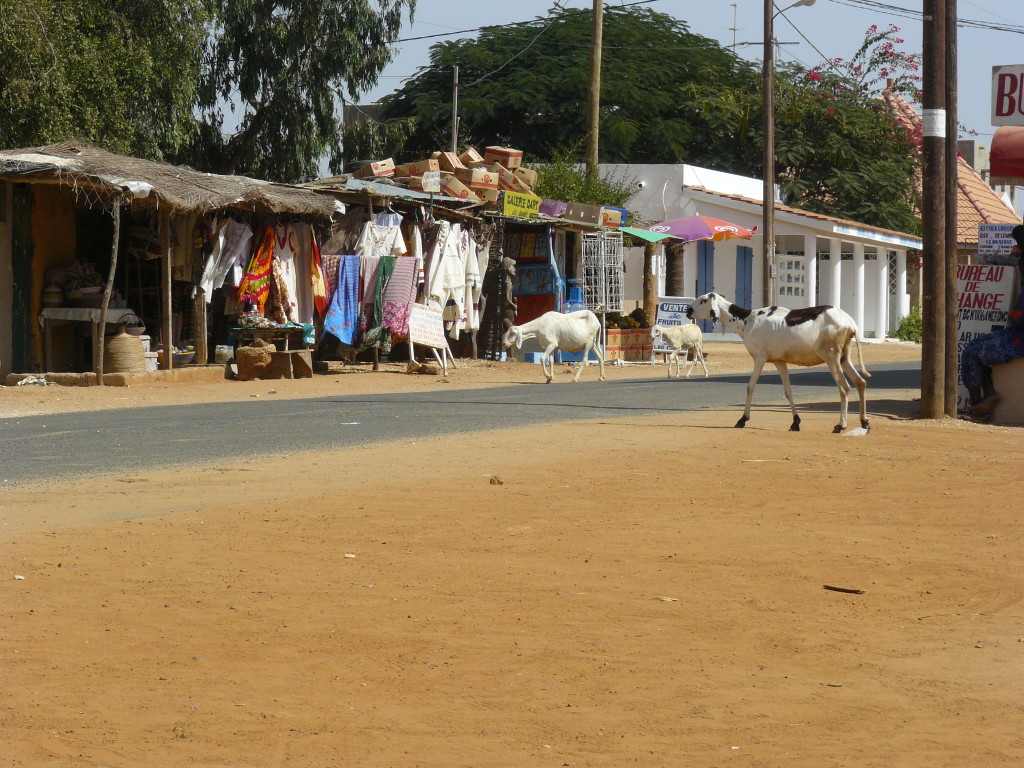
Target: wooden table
{"points": [[49, 315], [291, 336]]}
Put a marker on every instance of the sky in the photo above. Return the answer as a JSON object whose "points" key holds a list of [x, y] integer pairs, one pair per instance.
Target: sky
{"points": [[835, 28]]}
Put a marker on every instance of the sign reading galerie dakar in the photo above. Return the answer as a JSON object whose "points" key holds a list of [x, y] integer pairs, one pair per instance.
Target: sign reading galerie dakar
{"points": [[520, 205], [1008, 94]]}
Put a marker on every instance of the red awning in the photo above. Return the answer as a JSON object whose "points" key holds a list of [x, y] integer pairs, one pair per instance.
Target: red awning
{"points": [[1006, 159]]}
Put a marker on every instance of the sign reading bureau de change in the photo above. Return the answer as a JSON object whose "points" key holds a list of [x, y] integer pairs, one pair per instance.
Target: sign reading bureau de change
{"points": [[520, 205]]}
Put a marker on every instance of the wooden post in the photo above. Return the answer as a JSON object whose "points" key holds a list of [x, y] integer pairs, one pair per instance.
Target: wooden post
{"points": [[650, 282], [594, 89], [933, 212], [167, 316], [100, 328], [952, 161]]}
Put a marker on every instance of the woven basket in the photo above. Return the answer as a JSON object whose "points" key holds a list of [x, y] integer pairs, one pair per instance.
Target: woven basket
{"points": [[124, 353]]}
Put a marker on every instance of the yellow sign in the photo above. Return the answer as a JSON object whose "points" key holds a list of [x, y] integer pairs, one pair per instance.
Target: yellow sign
{"points": [[521, 205]]}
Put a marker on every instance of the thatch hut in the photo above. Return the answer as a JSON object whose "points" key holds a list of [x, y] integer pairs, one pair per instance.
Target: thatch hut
{"points": [[63, 204]]}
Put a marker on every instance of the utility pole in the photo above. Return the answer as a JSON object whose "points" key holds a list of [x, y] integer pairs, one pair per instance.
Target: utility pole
{"points": [[768, 156], [455, 109], [952, 154], [594, 89], [734, 29], [933, 211]]}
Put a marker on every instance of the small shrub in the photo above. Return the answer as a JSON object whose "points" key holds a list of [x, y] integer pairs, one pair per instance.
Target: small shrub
{"points": [[910, 327]]}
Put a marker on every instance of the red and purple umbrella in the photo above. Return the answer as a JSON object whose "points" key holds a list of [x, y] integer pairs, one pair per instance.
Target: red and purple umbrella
{"points": [[692, 228]]}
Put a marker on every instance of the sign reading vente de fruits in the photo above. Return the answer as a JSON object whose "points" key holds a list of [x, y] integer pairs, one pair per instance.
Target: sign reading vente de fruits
{"points": [[1008, 94]]}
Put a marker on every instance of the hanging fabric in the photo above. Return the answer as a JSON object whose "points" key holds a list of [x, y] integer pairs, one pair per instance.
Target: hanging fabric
{"points": [[376, 335], [255, 285], [399, 295], [316, 275], [342, 319]]}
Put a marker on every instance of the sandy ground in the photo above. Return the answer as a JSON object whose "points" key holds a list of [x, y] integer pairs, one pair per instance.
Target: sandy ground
{"points": [[624, 592]]}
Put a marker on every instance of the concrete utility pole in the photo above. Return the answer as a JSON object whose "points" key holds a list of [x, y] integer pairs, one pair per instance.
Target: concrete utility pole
{"points": [[933, 212], [594, 89], [455, 109]]}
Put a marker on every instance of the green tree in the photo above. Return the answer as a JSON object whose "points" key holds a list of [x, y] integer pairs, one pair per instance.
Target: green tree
{"points": [[564, 177], [526, 86], [281, 70], [119, 73]]}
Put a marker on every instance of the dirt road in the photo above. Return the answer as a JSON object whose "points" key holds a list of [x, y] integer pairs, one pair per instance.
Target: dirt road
{"points": [[645, 592]]}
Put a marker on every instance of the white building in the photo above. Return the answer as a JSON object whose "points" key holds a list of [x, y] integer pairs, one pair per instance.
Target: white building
{"points": [[821, 259]]}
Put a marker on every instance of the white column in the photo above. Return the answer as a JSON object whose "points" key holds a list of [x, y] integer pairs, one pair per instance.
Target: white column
{"points": [[811, 273], [858, 284], [902, 297], [882, 289], [835, 249]]}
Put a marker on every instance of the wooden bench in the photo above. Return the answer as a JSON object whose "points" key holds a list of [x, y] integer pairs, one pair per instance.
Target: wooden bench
{"points": [[1008, 379]]}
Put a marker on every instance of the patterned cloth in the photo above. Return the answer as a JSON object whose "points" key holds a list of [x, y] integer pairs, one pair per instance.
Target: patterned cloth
{"points": [[376, 334], [399, 295], [255, 284], [342, 318], [317, 278], [329, 261]]}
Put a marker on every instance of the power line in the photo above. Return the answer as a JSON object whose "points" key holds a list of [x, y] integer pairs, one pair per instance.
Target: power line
{"points": [[911, 13], [568, 12]]}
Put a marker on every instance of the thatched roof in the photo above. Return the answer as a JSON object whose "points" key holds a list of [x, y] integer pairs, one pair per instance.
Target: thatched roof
{"points": [[182, 190]]}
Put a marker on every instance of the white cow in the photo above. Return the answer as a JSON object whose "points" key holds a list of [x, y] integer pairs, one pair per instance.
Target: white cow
{"points": [[570, 332], [792, 337]]}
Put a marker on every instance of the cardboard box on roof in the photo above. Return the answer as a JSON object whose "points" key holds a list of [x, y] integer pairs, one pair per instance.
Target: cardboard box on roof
{"points": [[508, 180], [375, 169], [490, 196], [478, 178], [449, 162], [418, 168], [583, 213], [508, 157], [452, 187], [527, 175], [613, 217], [471, 157], [553, 208]]}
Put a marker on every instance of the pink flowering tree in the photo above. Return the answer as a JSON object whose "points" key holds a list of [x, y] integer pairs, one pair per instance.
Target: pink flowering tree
{"points": [[878, 63]]}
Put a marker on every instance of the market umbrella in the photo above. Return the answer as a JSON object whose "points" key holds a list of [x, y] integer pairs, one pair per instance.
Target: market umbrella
{"points": [[698, 227]]}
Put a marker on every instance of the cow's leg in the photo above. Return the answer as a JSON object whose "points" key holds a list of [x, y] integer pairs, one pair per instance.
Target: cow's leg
{"points": [[862, 387], [836, 369], [583, 363], [700, 354], [599, 351], [783, 370], [548, 358], [758, 366]]}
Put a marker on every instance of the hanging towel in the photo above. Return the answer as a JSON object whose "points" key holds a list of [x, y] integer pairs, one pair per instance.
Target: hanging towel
{"points": [[399, 295], [376, 335], [342, 318], [330, 267]]}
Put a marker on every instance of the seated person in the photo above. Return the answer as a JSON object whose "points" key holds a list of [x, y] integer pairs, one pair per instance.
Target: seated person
{"points": [[994, 348]]}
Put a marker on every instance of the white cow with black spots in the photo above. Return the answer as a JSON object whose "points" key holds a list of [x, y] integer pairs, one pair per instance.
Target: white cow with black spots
{"points": [[784, 337]]}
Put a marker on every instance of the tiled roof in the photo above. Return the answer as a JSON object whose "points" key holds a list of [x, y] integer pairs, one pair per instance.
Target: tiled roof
{"points": [[780, 208], [977, 202]]}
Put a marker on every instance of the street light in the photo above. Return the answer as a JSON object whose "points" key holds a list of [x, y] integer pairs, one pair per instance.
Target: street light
{"points": [[768, 103]]}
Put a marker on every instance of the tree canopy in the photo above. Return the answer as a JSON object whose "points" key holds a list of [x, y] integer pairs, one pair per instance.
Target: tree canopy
{"points": [[668, 96], [228, 86], [526, 86], [120, 73]]}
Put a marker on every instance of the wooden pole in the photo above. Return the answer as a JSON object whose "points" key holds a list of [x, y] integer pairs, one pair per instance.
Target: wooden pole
{"points": [[167, 316], [952, 182], [594, 89], [100, 328], [650, 282], [768, 159], [933, 212]]}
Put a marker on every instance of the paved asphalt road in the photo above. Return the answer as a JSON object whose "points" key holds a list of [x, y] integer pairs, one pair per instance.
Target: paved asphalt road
{"points": [[75, 444]]}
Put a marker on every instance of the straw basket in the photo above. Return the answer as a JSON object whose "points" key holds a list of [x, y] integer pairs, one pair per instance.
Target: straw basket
{"points": [[124, 353]]}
